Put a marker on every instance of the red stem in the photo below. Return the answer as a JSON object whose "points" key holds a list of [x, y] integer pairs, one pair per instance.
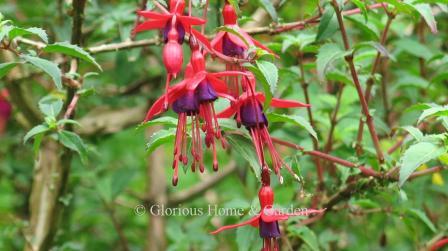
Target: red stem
{"points": [[364, 106]]}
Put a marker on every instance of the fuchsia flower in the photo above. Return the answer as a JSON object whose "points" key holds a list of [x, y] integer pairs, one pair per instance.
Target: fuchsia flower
{"points": [[5, 110], [232, 45], [174, 25], [268, 217], [248, 111], [194, 97], [174, 18]]}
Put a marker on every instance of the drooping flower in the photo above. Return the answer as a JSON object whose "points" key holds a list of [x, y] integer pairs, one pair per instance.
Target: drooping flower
{"points": [[268, 217], [5, 110], [194, 97], [248, 111], [174, 25], [234, 46], [174, 18]]}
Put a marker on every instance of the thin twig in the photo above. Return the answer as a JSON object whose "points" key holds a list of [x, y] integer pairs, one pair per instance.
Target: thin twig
{"points": [[364, 106], [370, 82], [304, 84]]}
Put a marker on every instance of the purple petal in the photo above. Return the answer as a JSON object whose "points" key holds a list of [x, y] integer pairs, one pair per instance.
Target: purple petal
{"points": [[188, 104], [229, 48], [269, 229], [180, 31], [206, 92], [252, 114]]}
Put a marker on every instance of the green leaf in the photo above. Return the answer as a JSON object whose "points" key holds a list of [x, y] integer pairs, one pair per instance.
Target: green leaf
{"points": [[306, 234], [247, 238], [415, 132], [16, 31], [50, 106], [270, 73], [6, 67], [270, 9], [35, 131], [68, 121], [328, 24], [159, 138], [414, 48], [377, 46], [71, 50], [433, 111], [72, 141], [47, 66], [120, 179], [4, 31], [295, 119], [166, 121], [261, 77], [426, 12], [362, 6], [244, 147], [417, 155], [422, 217], [328, 53]]}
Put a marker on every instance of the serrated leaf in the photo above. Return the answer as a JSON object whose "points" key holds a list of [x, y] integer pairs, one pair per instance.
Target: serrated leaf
{"points": [[35, 131], [68, 121], [49, 67], [328, 53], [245, 148], [16, 31], [295, 119], [159, 138], [415, 132], [417, 155], [50, 106], [6, 67], [327, 25], [72, 141], [71, 50], [270, 9], [422, 217], [270, 73], [266, 87]]}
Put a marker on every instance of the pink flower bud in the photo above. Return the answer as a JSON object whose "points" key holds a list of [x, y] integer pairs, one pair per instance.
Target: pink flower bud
{"points": [[172, 54]]}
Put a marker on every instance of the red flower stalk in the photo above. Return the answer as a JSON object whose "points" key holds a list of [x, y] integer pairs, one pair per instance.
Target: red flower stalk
{"points": [[268, 217], [5, 110], [194, 97], [248, 111]]}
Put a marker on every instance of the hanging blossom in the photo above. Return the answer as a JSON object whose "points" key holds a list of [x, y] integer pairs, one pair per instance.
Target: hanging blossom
{"points": [[248, 111], [5, 110], [234, 46], [193, 97], [174, 25], [268, 217]]}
